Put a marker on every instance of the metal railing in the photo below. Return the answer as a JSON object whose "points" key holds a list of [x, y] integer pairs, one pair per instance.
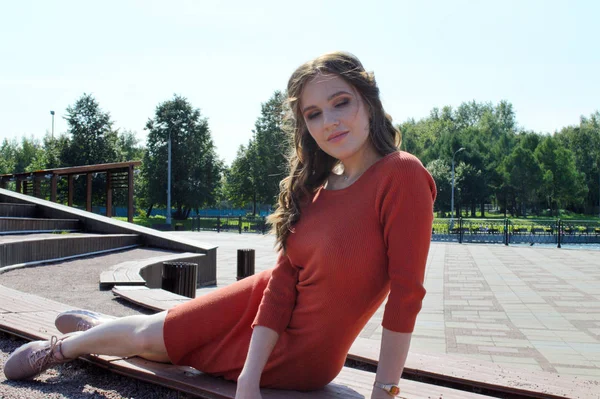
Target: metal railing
{"points": [[524, 231], [240, 224]]}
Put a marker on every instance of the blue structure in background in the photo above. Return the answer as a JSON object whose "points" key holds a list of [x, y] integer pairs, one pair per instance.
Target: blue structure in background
{"points": [[122, 211]]}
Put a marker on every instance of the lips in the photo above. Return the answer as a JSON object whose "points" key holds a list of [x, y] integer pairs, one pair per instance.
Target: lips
{"points": [[337, 136]]}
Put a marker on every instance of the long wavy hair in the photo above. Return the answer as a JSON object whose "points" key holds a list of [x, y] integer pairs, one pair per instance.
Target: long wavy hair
{"points": [[309, 166]]}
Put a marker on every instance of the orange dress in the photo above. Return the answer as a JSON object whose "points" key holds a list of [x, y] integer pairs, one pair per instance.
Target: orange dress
{"points": [[350, 248]]}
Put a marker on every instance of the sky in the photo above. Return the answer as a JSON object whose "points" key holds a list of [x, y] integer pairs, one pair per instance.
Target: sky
{"points": [[228, 57]]}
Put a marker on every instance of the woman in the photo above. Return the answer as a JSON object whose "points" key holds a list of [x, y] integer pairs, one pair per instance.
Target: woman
{"points": [[353, 224]]}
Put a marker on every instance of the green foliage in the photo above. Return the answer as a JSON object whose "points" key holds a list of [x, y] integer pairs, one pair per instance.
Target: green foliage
{"points": [[240, 187], [512, 168], [523, 174], [92, 139], [196, 170], [255, 174], [518, 172], [440, 171], [561, 182]]}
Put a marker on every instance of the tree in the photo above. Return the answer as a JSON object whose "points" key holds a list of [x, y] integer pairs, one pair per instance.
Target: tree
{"points": [[440, 171], [584, 142], [92, 139], [270, 147], [562, 183], [467, 186], [195, 172], [524, 175], [240, 185], [260, 166], [8, 156]]}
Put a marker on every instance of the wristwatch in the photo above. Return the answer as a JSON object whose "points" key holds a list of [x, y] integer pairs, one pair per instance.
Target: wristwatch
{"points": [[391, 389]]}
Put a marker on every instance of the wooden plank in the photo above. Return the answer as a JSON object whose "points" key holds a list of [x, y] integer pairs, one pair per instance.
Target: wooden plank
{"points": [[30, 325], [444, 368], [486, 375], [349, 383], [128, 273], [16, 301], [151, 298], [56, 246]]}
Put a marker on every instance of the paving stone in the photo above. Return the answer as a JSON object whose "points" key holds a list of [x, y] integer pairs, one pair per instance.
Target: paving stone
{"points": [[531, 307]]}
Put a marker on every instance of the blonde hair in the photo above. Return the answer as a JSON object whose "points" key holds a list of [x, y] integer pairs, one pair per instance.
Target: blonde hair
{"points": [[309, 166]]}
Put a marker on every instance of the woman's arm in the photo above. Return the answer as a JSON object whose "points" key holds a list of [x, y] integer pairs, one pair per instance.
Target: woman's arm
{"points": [[392, 356], [261, 345]]}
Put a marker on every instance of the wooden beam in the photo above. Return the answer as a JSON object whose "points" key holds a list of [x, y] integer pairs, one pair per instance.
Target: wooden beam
{"points": [[53, 181], [130, 194], [88, 196], [109, 194], [37, 192], [19, 185], [122, 166], [70, 196]]}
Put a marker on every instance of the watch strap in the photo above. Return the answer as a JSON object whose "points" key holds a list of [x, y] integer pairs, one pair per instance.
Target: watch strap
{"points": [[391, 389]]}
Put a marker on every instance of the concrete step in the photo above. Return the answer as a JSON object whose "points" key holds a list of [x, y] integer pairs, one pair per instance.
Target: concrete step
{"points": [[21, 225], [17, 210], [22, 251]]}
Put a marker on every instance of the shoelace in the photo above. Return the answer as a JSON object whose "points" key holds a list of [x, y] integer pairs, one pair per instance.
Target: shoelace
{"points": [[42, 358]]}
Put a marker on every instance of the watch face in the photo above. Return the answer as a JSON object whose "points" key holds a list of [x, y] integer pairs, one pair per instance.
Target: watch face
{"points": [[394, 390]]}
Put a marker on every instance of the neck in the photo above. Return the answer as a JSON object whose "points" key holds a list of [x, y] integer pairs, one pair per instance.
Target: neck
{"points": [[361, 161]]}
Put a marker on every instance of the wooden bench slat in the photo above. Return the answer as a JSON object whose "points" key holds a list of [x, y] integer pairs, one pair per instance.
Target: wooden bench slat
{"points": [[128, 273], [153, 298], [39, 324], [487, 375], [449, 368]]}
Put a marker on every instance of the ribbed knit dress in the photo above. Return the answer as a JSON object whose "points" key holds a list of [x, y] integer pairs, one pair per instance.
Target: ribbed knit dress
{"points": [[349, 250]]}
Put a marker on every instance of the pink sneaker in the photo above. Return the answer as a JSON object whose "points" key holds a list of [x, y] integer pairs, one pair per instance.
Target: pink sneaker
{"points": [[33, 358], [79, 320]]}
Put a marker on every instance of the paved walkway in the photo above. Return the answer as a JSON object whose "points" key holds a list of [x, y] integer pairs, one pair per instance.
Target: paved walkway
{"points": [[527, 307]]}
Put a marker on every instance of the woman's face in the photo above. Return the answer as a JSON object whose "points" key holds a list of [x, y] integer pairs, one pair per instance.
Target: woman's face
{"points": [[336, 116]]}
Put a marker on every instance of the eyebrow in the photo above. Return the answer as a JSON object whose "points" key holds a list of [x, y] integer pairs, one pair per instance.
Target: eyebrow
{"points": [[328, 99]]}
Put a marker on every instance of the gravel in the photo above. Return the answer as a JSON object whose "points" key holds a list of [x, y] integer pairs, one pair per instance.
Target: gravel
{"points": [[76, 283]]}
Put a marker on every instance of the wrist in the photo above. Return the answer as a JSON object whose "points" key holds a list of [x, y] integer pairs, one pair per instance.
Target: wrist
{"points": [[249, 379], [391, 389]]}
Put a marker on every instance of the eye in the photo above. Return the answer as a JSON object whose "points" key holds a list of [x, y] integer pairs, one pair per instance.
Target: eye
{"points": [[342, 103], [313, 115]]}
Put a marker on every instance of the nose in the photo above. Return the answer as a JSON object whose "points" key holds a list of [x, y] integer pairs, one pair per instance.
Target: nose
{"points": [[330, 119]]}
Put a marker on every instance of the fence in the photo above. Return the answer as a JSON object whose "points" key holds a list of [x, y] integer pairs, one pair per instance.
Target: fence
{"points": [[230, 223], [461, 230], [506, 231]]}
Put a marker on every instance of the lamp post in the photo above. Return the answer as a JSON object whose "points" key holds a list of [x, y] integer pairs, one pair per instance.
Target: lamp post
{"points": [[452, 195], [52, 113], [163, 125], [169, 182]]}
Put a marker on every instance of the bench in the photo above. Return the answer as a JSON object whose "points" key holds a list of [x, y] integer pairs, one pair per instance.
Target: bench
{"points": [[486, 376], [447, 369], [31, 317], [148, 272], [152, 298]]}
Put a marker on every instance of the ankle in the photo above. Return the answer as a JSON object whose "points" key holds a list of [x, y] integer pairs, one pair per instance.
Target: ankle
{"points": [[67, 348]]}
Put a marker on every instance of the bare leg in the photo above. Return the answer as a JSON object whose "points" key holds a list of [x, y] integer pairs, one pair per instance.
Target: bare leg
{"points": [[127, 336]]}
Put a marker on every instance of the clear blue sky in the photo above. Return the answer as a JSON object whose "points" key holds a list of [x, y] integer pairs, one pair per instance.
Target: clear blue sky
{"points": [[227, 57]]}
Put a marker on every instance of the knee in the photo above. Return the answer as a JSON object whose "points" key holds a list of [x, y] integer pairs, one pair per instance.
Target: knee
{"points": [[148, 335]]}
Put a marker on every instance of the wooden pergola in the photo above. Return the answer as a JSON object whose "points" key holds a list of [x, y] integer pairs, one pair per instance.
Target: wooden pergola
{"points": [[118, 175]]}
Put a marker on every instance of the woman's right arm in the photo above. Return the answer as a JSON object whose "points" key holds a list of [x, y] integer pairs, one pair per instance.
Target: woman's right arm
{"points": [[273, 316], [261, 345]]}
